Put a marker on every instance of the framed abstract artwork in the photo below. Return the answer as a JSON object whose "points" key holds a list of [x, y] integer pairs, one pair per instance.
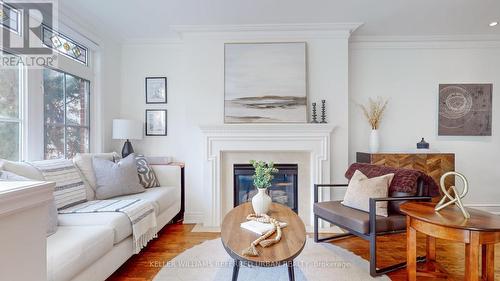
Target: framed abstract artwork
{"points": [[156, 122], [265, 83], [465, 109], [156, 90]]}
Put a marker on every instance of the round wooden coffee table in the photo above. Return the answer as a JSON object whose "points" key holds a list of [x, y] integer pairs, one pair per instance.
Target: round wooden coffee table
{"points": [[235, 239]]}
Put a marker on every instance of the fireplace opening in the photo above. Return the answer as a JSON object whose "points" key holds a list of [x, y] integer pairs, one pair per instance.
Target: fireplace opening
{"points": [[283, 190]]}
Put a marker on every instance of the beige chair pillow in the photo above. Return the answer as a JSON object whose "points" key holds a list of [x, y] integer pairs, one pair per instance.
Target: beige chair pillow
{"points": [[361, 189]]}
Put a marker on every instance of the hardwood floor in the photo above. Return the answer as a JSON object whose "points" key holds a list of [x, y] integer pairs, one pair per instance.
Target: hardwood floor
{"points": [[176, 238]]}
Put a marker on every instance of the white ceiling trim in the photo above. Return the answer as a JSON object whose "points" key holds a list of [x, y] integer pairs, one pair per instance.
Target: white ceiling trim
{"points": [[268, 31], [425, 42], [351, 27]]}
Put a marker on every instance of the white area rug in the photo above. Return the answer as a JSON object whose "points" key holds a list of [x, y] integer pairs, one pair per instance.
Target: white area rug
{"points": [[317, 262]]}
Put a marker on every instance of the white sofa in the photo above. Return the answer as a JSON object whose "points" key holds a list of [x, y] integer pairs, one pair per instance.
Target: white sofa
{"points": [[92, 246]]}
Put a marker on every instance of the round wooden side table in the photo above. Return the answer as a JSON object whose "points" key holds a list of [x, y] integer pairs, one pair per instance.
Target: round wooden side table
{"points": [[481, 230], [235, 239]]}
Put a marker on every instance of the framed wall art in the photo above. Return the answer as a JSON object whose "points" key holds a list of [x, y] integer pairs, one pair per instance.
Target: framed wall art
{"points": [[265, 83], [156, 122], [156, 90], [465, 109]]}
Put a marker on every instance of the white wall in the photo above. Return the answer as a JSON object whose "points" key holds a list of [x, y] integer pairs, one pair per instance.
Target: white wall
{"points": [[409, 74], [195, 71]]}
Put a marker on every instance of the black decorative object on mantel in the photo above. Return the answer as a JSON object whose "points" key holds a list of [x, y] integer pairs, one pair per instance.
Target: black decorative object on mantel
{"points": [[323, 111], [314, 115], [422, 144]]}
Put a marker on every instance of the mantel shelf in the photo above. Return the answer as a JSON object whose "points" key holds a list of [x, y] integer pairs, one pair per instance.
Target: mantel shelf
{"points": [[268, 128]]}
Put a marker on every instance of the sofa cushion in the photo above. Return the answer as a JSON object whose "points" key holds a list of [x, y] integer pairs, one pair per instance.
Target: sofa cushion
{"points": [[70, 189], [162, 197], [147, 175], [361, 189], [83, 161], [116, 179], [74, 248], [22, 169], [119, 222], [357, 220]]}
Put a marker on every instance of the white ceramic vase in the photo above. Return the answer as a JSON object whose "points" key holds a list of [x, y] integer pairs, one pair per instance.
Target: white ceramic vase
{"points": [[261, 201], [374, 141]]}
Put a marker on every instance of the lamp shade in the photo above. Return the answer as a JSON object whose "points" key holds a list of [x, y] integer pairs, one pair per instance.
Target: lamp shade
{"points": [[124, 129]]}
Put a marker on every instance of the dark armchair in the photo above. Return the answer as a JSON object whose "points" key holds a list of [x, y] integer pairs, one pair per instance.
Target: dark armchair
{"points": [[368, 225]]}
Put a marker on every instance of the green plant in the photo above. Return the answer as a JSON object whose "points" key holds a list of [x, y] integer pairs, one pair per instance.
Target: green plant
{"points": [[264, 173]]}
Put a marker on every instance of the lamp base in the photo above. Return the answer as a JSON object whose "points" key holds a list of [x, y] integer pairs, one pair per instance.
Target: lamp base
{"points": [[127, 149]]}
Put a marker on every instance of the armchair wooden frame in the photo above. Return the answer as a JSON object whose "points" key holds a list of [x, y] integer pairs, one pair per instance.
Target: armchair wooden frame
{"points": [[372, 235]]}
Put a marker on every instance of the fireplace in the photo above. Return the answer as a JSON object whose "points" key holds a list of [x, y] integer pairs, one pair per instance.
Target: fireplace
{"points": [[283, 190]]}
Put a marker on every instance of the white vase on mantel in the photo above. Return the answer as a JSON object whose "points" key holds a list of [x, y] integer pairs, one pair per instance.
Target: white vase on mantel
{"points": [[374, 144], [261, 201]]}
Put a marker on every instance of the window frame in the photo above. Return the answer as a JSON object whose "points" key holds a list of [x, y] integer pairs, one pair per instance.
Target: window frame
{"points": [[21, 118], [65, 125], [20, 18]]}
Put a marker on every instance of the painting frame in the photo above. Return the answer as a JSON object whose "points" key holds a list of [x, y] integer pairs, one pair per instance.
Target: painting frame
{"points": [[153, 84], [159, 129], [465, 109], [297, 101]]}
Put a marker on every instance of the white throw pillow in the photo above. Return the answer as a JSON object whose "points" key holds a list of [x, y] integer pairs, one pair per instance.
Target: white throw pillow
{"points": [[361, 189], [22, 169]]}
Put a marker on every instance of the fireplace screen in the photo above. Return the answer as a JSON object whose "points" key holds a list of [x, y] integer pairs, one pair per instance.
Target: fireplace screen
{"points": [[283, 190]]}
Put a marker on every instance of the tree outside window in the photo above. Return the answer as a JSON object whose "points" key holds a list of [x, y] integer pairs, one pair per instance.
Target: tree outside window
{"points": [[66, 114], [10, 116]]}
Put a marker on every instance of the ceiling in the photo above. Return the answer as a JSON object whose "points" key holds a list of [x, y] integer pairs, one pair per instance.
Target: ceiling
{"points": [[150, 19]]}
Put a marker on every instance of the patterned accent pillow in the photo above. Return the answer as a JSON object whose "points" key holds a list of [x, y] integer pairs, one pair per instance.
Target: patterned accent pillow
{"points": [[147, 176], [70, 189]]}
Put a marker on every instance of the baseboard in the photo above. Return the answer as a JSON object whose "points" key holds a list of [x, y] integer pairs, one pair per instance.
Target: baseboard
{"points": [[488, 207], [193, 217]]}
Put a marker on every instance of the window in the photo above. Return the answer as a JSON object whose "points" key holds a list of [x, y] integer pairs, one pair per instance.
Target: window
{"points": [[64, 45], [10, 18], [10, 113], [66, 114]]}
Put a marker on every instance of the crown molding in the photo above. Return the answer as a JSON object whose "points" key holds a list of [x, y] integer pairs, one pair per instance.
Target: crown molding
{"points": [[351, 27], [153, 41], [425, 42], [265, 31]]}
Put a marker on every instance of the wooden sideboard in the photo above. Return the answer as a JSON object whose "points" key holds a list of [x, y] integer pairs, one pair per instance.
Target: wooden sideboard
{"points": [[432, 163]]}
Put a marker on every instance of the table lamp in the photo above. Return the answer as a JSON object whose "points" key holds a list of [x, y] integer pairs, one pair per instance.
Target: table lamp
{"points": [[124, 129]]}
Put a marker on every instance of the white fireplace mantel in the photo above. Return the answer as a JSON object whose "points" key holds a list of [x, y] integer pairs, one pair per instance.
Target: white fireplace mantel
{"points": [[311, 138]]}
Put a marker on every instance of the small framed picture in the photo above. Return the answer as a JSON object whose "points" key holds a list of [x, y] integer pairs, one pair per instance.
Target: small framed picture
{"points": [[156, 90], [156, 122]]}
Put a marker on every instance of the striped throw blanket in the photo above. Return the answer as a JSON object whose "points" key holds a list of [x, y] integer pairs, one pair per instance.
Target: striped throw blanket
{"points": [[70, 189], [141, 214]]}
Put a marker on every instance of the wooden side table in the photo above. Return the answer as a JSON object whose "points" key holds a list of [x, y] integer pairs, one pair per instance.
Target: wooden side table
{"points": [[482, 229]]}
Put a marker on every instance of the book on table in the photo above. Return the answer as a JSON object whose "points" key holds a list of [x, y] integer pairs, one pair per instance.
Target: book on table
{"points": [[259, 227]]}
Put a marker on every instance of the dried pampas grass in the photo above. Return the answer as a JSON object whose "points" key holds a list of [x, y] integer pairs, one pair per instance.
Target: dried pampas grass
{"points": [[374, 110]]}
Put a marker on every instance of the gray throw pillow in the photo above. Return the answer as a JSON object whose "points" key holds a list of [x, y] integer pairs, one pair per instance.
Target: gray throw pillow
{"points": [[52, 223], [147, 176], [115, 179]]}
